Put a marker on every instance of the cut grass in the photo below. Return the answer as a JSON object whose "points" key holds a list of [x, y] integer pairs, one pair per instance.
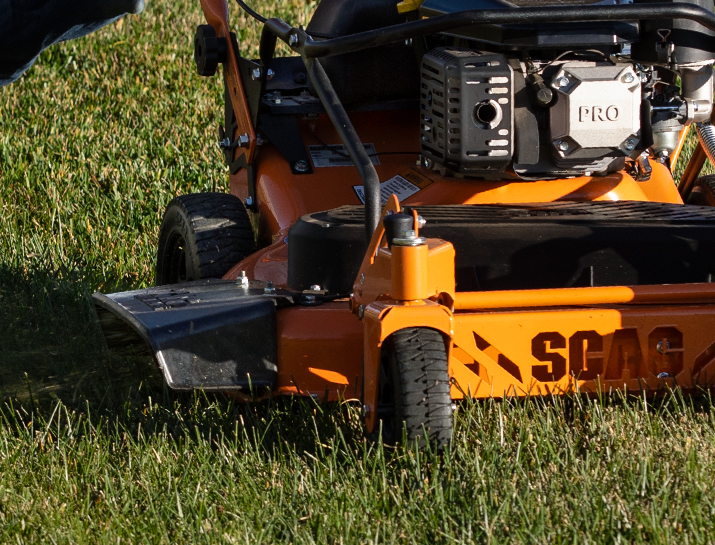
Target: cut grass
{"points": [[94, 141]]}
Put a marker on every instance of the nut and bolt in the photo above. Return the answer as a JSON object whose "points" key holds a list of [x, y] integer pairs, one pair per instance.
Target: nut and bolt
{"points": [[563, 145], [629, 77], [269, 74], [225, 143], [269, 289], [629, 144], [361, 311], [293, 39], [249, 201], [310, 299], [256, 74], [242, 280], [562, 82], [300, 166], [661, 347], [421, 222], [409, 238], [243, 139]]}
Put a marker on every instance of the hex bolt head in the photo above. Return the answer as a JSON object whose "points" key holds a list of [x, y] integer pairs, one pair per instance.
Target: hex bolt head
{"points": [[242, 280], [629, 77], [630, 144], [300, 166], [269, 74], [269, 289], [256, 74], [293, 40], [225, 143], [562, 82], [249, 201], [660, 348], [562, 145], [361, 312]]}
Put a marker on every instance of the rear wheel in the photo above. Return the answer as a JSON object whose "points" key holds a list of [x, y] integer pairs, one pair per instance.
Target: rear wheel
{"points": [[202, 235], [414, 390]]}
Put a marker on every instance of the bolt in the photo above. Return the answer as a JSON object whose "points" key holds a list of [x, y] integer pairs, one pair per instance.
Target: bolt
{"points": [[293, 40], [269, 289], [427, 162], [243, 139], [256, 74], [310, 298], [630, 144], [660, 349], [629, 77], [421, 222], [663, 156], [301, 166], [225, 143], [315, 287], [242, 280], [562, 145], [362, 278], [361, 312], [409, 234], [249, 201], [562, 82], [269, 74]]}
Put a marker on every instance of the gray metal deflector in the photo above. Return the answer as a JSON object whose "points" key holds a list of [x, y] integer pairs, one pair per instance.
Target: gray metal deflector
{"points": [[208, 334]]}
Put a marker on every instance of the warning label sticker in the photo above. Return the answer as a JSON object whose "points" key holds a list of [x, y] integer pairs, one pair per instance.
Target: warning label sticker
{"points": [[400, 185], [337, 156]]}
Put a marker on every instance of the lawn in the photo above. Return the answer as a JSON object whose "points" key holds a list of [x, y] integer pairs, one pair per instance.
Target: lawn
{"points": [[94, 141]]}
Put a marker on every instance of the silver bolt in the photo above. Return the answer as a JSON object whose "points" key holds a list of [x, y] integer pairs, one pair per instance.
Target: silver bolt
{"points": [[293, 40], [362, 278], [421, 222], [249, 201], [628, 78], [256, 74], [269, 74], [301, 166], [659, 347], [630, 144], [563, 81], [225, 143], [315, 287], [409, 234], [242, 280], [269, 289], [243, 139], [361, 311], [562, 145]]}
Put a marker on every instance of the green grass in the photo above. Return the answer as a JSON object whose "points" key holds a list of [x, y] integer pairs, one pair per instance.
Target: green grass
{"points": [[94, 141]]}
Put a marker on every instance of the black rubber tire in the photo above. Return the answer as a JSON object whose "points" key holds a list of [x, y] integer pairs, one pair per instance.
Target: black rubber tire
{"points": [[414, 391], [703, 192], [202, 235]]}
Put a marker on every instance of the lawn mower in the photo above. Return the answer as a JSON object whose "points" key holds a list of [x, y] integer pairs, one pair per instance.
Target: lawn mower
{"points": [[439, 199]]}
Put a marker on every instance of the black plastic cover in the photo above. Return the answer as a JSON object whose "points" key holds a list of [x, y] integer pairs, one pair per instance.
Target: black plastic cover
{"points": [[208, 334], [532, 246]]}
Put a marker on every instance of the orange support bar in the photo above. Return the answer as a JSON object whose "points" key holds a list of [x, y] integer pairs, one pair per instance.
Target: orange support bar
{"points": [[612, 295]]}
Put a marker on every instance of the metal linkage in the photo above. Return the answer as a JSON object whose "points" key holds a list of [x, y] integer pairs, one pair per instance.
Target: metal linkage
{"points": [[351, 140]]}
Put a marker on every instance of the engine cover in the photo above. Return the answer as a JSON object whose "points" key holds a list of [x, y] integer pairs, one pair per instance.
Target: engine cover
{"points": [[596, 117], [467, 121]]}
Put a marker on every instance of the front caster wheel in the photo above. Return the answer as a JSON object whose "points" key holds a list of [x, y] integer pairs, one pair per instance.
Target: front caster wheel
{"points": [[414, 392], [202, 235]]}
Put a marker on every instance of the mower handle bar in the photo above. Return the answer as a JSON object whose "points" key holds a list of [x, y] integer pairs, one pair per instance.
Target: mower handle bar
{"points": [[311, 50]]}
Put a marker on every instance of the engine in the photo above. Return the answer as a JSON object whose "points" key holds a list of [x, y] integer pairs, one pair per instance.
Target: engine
{"points": [[548, 112]]}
